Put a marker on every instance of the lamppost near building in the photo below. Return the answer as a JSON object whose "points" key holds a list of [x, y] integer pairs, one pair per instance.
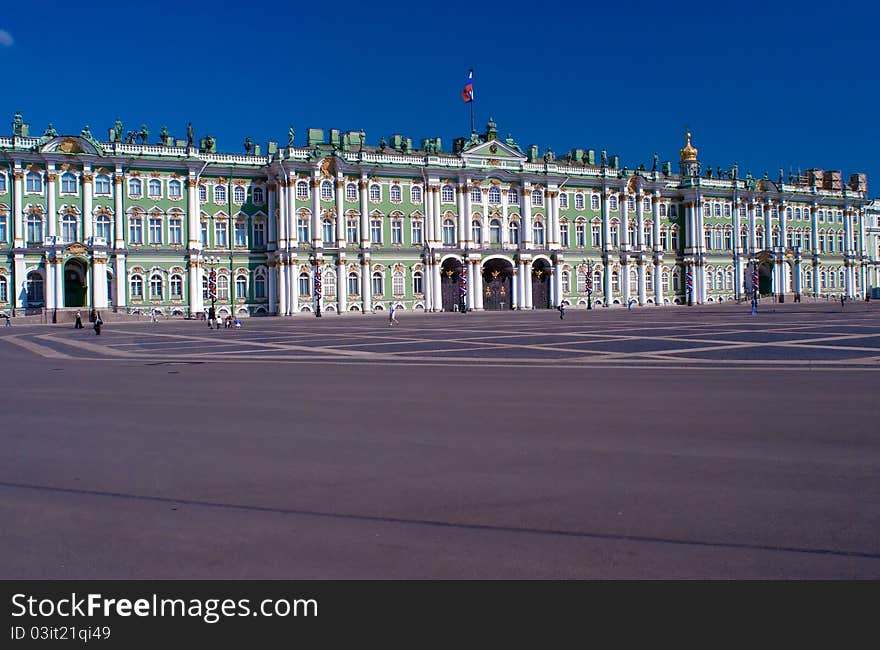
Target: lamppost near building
{"points": [[213, 260], [589, 282]]}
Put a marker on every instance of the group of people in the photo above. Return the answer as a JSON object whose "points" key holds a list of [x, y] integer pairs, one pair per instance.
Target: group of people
{"points": [[228, 321], [94, 317]]}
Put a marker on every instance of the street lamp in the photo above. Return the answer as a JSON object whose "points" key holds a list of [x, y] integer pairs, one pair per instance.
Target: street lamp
{"points": [[318, 287], [589, 283], [213, 260]]}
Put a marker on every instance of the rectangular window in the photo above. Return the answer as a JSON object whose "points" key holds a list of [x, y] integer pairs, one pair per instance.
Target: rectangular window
{"points": [[259, 234], [581, 235], [302, 230], [563, 235], [396, 231], [136, 231], [4, 231], [175, 231], [155, 231], [241, 233], [352, 231], [220, 237], [204, 229], [417, 232], [376, 231], [596, 235]]}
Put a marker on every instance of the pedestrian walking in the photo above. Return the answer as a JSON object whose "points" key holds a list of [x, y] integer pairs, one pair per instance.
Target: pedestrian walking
{"points": [[561, 309], [392, 319], [629, 304], [754, 306], [77, 320], [99, 322], [212, 315], [842, 300], [8, 322]]}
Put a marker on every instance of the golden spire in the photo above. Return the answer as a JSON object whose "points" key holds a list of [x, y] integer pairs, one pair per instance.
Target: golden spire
{"points": [[688, 152]]}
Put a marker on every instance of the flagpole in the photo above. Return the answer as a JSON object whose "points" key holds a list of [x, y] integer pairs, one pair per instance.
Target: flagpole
{"points": [[473, 127]]}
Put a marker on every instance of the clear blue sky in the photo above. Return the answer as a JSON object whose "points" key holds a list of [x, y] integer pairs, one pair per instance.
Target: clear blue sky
{"points": [[767, 85]]}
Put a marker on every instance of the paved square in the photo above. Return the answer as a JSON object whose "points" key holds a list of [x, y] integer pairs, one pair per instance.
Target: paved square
{"points": [[657, 443]]}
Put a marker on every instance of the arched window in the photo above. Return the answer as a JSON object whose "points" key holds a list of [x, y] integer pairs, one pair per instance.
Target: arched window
{"points": [[494, 194], [448, 232], [241, 284], [646, 204], [219, 194], [476, 194], [675, 239], [418, 285], [326, 190], [477, 231], [222, 287], [135, 187], [68, 183], [728, 280], [594, 202], [612, 203], [103, 227], [305, 285], [615, 281], [664, 280], [728, 239], [354, 284], [257, 195], [3, 183], [707, 211], [631, 203], [238, 194], [633, 281], [676, 280], [69, 228], [395, 193], [649, 277], [538, 233], [447, 194], [328, 283], [513, 196], [137, 287], [566, 282], [102, 184], [302, 190], [175, 189], [415, 194], [4, 289], [329, 229], [397, 285], [351, 192], [375, 192], [513, 232], [537, 198], [203, 194], [176, 287], [563, 200], [615, 234], [378, 283], [578, 201], [155, 287], [563, 233], [34, 288], [580, 233], [155, 187], [33, 182], [34, 230], [495, 231], [260, 285], [663, 210]]}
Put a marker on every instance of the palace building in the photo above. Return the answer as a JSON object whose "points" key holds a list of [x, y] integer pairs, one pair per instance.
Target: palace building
{"points": [[341, 226]]}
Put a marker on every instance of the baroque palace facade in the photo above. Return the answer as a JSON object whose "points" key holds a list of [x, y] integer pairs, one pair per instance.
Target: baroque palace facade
{"points": [[137, 227]]}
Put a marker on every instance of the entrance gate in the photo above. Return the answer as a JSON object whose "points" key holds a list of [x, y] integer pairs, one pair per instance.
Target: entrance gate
{"points": [[540, 285], [450, 274], [497, 285]]}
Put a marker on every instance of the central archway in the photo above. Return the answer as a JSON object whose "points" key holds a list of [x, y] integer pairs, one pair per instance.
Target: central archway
{"points": [[540, 284], [497, 284], [450, 277], [75, 284]]}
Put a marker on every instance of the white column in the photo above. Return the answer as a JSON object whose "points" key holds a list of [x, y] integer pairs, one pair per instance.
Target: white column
{"points": [[527, 285], [272, 234], [558, 295], [753, 228], [478, 286], [291, 218], [464, 205], [273, 286], [606, 221], [366, 290], [624, 280], [341, 287], [317, 233], [814, 228], [522, 277], [281, 269], [51, 206], [768, 225], [505, 237], [192, 212], [87, 200], [365, 216], [552, 219], [437, 288], [526, 222], [737, 251], [438, 217], [121, 282], [640, 242], [428, 202], [51, 263], [195, 285], [99, 282], [17, 225], [119, 214], [658, 252], [485, 217], [514, 299], [292, 272], [340, 216], [624, 224]]}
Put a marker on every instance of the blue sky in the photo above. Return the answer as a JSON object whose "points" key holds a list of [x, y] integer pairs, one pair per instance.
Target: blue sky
{"points": [[767, 85]]}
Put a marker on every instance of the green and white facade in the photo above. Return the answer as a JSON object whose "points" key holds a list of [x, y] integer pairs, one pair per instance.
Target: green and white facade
{"points": [[85, 223]]}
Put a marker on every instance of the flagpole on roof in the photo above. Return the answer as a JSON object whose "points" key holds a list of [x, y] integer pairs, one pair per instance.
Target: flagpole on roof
{"points": [[473, 125]]}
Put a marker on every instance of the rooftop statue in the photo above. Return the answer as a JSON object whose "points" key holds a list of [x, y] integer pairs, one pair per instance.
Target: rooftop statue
{"points": [[248, 145], [290, 133], [604, 158], [144, 134], [189, 134], [656, 160], [86, 133], [50, 131], [17, 123], [163, 133], [117, 131]]}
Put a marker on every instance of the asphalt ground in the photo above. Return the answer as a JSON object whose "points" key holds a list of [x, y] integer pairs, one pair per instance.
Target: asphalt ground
{"points": [[660, 443]]}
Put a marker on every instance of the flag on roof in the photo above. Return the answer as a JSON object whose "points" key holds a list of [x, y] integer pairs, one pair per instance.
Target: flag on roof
{"points": [[468, 93]]}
